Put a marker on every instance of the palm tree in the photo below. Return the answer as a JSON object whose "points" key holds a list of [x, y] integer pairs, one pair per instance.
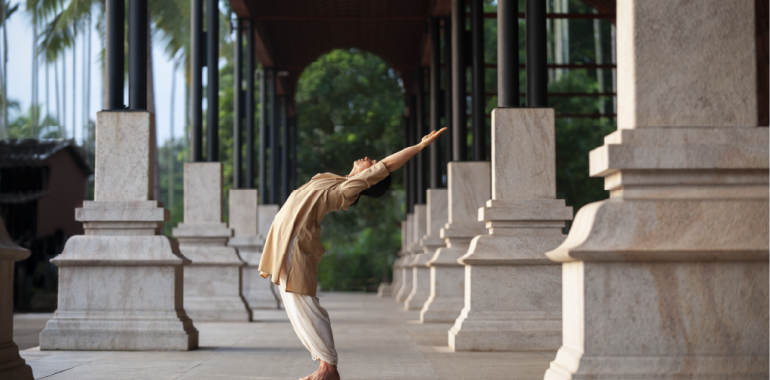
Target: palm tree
{"points": [[6, 10]]}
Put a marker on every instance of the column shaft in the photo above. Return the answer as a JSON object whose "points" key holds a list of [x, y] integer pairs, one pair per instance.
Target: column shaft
{"points": [[479, 97], [212, 87], [448, 140], [238, 105], [419, 132], [196, 79], [284, 149], [435, 101], [537, 64], [137, 54], [459, 118], [262, 159], [508, 54], [408, 166], [274, 142], [249, 177], [114, 53]]}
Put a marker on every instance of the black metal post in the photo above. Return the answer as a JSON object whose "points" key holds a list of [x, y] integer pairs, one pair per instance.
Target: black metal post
{"points": [[435, 109], [137, 57], [408, 166], [412, 164], [508, 53], [196, 79], [284, 149], [249, 184], [274, 142], [212, 87], [293, 144], [537, 65], [262, 163], [115, 31], [479, 99], [448, 145], [419, 132], [459, 118], [237, 109]]}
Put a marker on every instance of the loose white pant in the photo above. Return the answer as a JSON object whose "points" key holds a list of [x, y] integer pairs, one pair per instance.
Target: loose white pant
{"points": [[310, 321]]}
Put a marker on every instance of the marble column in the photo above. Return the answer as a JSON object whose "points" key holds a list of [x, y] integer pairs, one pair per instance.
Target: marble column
{"points": [[121, 284], [469, 187], [416, 266], [668, 279], [525, 220], [244, 221], [406, 274], [12, 366], [437, 211], [212, 290]]}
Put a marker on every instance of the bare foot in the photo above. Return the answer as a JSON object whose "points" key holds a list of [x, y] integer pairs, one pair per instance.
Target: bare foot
{"points": [[325, 371], [310, 376]]}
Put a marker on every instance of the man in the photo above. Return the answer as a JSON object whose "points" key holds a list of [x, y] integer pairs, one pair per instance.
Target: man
{"points": [[293, 247]]}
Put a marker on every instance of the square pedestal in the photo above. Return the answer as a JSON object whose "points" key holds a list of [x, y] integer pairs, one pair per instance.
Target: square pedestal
{"points": [[213, 282]]}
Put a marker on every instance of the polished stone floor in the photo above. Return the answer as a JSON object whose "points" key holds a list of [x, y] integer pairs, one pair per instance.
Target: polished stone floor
{"points": [[375, 340]]}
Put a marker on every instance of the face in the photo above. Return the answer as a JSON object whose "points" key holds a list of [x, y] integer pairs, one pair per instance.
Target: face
{"points": [[362, 164]]}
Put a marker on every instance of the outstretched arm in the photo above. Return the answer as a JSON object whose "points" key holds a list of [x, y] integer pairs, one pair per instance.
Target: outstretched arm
{"points": [[398, 159]]}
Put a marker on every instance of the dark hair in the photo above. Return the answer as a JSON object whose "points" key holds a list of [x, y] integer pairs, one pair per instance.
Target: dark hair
{"points": [[377, 190]]}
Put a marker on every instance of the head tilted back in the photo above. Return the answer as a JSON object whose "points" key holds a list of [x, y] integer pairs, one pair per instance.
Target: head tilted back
{"points": [[377, 190]]}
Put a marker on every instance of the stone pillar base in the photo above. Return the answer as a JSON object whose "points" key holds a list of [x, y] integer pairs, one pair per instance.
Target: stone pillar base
{"points": [[441, 309], [126, 331], [120, 293], [420, 283], [256, 290], [668, 279], [519, 313], [513, 291], [665, 320], [212, 290], [447, 286], [406, 278], [384, 290]]}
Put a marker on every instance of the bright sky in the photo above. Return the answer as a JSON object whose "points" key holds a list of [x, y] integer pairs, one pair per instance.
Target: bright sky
{"points": [[20, 80]]}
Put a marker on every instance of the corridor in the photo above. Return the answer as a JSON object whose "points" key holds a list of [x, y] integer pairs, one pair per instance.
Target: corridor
{"points": [[374, 339]]}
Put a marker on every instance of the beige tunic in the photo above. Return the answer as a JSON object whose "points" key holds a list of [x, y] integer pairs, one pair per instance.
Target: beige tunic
{"points": [[300, 216]]}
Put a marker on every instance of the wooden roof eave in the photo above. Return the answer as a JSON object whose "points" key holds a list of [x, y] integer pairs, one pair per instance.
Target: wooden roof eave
{"points": [[262, 48]]}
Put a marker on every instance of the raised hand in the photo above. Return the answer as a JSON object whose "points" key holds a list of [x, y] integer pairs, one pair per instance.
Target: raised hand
{"points": [[398, 159], [429, 138]]}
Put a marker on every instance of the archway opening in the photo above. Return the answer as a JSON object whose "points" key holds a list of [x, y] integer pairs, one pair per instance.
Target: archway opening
{"points": [[350, 104]]}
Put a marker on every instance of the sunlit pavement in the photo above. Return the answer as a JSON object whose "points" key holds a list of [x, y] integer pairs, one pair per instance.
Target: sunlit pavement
{"points": [[374, 339]]}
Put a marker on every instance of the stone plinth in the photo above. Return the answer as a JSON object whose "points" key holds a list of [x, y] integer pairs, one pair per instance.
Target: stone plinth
{"points": [[406, 272], [392, 288], [244, 221], [12, 366], [120, 285], [668, 279], [212, 283], [437, 217], [469, 187], [417, 269], [525, 220]]}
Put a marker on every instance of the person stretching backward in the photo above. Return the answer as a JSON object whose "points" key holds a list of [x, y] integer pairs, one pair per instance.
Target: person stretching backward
{"points": [[293, 246]]}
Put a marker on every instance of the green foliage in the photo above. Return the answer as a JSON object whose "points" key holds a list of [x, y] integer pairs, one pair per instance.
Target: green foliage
{"points": [[350, 105], [45, 127], [575, 138]]}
